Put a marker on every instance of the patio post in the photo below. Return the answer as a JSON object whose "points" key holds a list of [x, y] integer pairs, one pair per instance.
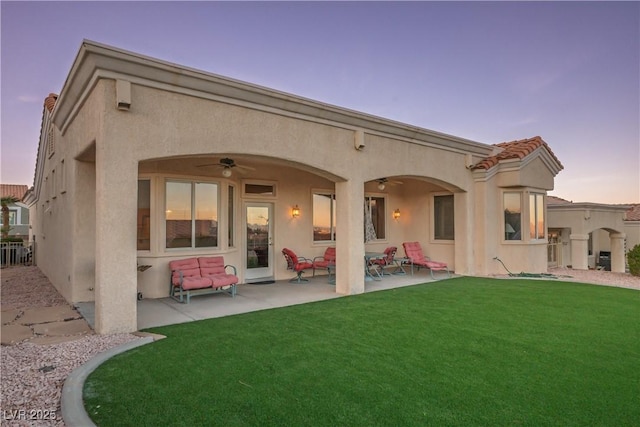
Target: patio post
{"points": [[350, 237], [579, 251], [618, 263], [116, 274], [465, 233]]}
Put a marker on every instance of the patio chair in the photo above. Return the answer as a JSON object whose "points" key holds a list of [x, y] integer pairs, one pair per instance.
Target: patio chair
{"points": [[297, 264], [416, 257], [388, 261], [325, 261]]}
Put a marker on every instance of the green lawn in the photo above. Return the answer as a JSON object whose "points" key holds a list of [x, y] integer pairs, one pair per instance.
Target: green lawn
{"points": [[466, 351]]}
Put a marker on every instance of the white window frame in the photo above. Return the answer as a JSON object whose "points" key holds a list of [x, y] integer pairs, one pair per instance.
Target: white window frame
{"points": [[533, 209], [521, 193], [193, 182], [332, 215]]}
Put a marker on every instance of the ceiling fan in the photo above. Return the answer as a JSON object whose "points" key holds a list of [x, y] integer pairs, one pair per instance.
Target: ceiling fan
{"points": [[227, 164], [383, 182]]}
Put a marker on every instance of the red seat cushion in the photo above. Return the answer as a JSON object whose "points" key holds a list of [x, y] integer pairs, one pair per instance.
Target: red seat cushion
{"points": [[211, 265], [329, 258], [220, 280], [413, 250], [190, 272], [303, 266], [196, 283]]}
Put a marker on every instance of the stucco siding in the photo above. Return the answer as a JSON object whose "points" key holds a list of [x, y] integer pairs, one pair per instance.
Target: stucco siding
{"points": [[66, 223], [632, 230]]}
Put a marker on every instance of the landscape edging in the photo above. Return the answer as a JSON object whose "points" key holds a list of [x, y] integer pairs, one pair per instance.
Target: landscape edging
{"points": [[71, 402]]}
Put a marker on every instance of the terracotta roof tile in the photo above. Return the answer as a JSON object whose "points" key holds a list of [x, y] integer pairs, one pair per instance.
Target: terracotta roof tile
{"points": [[17, 191], [633, 214], [515, 150], [553, 200], [50, 101]]}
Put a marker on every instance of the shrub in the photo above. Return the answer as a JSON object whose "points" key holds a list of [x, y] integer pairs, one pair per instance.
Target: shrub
{"points": [[633, 258], [11, 239]]}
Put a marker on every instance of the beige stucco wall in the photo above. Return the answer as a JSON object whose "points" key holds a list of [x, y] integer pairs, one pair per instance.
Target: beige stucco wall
{"points": [[534, 174], [65, 224], [518, 256], [632, 230]]}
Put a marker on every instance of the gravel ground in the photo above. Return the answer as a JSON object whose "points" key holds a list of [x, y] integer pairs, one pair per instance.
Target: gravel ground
{"points": [[33, 375], [597, 277]]}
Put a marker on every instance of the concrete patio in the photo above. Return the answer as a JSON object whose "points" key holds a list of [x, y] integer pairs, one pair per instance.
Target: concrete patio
{"points": [[166, 311]]}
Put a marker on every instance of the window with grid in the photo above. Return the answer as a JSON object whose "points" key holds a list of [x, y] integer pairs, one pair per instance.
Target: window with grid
{"points": [[191, 214]]}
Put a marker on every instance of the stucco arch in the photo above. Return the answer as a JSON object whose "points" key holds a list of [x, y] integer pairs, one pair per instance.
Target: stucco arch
{"points": [[194, 163], [607, 229]]}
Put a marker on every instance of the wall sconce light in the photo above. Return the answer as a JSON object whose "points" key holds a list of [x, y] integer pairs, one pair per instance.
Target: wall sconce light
{"points": [[295, 212], [396, 214]]}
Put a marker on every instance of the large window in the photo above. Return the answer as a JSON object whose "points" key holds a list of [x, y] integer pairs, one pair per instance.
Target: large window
{"points": [[443, 218], [324, 217], [513, 216], [375, 215], [536, 216], [144, 215], [191, 214]]}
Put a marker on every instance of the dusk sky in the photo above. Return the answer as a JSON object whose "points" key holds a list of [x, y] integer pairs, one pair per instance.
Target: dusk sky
{"points": [[490, 72]]}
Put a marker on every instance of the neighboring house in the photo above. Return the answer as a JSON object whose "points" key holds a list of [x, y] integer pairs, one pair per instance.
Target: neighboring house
{"points": [[18, 211], [142, 161], [587, 235], [632, 225]]}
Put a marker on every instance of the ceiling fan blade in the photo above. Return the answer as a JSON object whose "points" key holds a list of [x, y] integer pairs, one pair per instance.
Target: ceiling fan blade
{"points": [[243, 167]]}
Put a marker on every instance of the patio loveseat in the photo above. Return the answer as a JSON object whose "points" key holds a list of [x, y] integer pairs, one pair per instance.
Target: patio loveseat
{"points": [[198, 276]]}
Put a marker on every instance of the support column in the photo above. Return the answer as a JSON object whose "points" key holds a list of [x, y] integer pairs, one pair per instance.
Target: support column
{"points": [[464, 236], [579, 251], [618, 264], [116, 274], [350, 237]]}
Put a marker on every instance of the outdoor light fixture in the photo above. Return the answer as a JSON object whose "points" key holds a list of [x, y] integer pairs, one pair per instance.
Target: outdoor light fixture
{"points": [[226, 172], [396, 214], [295, 211]]}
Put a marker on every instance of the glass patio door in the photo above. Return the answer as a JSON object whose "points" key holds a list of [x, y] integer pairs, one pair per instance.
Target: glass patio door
{"points": [[554, 249], [259, 242]]}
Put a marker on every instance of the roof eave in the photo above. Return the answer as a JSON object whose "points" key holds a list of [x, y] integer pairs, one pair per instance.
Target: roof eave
{"points": [[96, 61]]}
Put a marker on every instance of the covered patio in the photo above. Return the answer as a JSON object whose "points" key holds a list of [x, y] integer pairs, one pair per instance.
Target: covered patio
{"points": [[166, 311]]}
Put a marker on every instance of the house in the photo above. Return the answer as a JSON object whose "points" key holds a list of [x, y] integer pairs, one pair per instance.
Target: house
{"points": [[632, 225], [18, 211], [142, 161], [588, 235]]}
